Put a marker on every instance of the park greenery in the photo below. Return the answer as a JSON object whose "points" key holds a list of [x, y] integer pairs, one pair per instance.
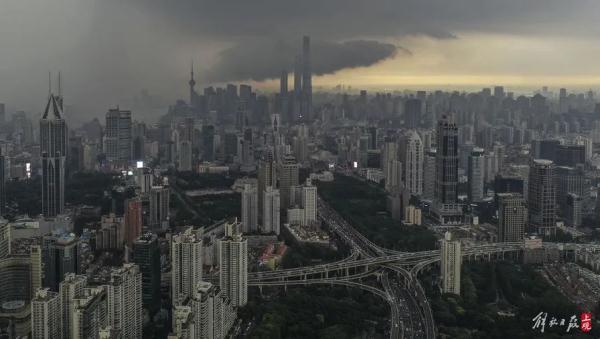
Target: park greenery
{"points": [[498, 300], [363, 205]]}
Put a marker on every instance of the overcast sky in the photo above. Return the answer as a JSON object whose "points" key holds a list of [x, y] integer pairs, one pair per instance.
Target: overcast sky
{"points": [[108, 50]]}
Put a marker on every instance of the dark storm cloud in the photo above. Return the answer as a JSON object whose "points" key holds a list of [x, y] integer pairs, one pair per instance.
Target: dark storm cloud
{"points": [[109, 49], [265, 59]]}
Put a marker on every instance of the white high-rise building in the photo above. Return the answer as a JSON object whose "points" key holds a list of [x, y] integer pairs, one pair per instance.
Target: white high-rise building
{"points": [[89, 313], [411, 156], [212, 312], [70, 288], [309, 202], [125, 301], [271, 211], [186, 254], [185, 155], [46, 315], [233, 260], [451, 262], [249, 209]]}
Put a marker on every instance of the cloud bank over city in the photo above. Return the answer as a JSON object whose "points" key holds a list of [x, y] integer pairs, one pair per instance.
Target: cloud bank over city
{"points": [[108, 50]]}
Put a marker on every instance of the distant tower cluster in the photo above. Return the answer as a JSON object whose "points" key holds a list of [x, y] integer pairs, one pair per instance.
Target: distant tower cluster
{"points": [[302, 108]]}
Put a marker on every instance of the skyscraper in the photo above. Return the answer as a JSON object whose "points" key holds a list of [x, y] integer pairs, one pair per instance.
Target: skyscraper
{"points": [[446, 162], [46, 315], [411, 156], [297, 109], [70, 288], [288, 177], [451, 262], [542, 197], [233, 260], [249, 209], [133, 219], [60, 255], [2, 185], [53, 152], [186, 254], [146, 254], [306, 80], [476, 171], [283, 94], [89, 313], [4, 238], [412, 113], [185, 156], [429, 176], [309, 202], [446, 207], [125, 300], [512, 217], [212, 311], [271, 211], [118, 144], [159, 207], [267, 177]]}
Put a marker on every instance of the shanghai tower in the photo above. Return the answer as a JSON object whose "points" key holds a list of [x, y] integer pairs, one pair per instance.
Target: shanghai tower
{"points": [[306, 80]]}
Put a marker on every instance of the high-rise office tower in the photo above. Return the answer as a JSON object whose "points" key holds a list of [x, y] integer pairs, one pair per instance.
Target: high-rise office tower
{"points": [[192, 84], [306, 80], [233, 260], [573, 210], [118, 145], [271, 211], [159, 207], [144, 179], [451, 262], [476, 169], [267, 177], [4, 238], [429, 177], [249, 209], [89, 313], [542, 197], [185, 156], [283, 94], [512, 217], [412, 113], [186, 254], [133, 219], [146, 254], [288, 177], [60, 255], [46, 315], [411, 156], [297, 88], [393, 176], [309, 202], [53, 152], [70, 288], [125, 300], [446, 162], [570, 155], [389, 154], [568, 180], [2, 114], [2, 184]]}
